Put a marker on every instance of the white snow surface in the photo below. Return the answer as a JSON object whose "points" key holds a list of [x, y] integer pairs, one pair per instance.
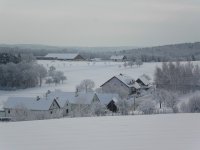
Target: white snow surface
{"points": [[142, 132]]}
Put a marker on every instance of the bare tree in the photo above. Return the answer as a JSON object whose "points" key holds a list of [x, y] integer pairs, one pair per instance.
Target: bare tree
{"points": [[178, 77], [194, 104], [86, 85], [138, 62], [147, 107], [123, 106], [131, 63], [42, 72]]}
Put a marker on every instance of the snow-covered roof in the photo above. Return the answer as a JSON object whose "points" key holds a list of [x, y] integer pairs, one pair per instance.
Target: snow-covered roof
{"points": [[105, 98], [29, 103], [117, 57], [81, 98], [144, 80], [84, 98], [128, 81], [62, 55], [71, 97]]}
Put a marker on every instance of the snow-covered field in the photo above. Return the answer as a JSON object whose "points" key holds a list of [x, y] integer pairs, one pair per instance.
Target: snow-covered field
{"points": [[146, 132], [75, 72]]}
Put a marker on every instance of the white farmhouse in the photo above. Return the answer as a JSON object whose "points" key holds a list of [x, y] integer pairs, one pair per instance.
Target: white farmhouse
{"points": [[29, 108], [121, 84], [68, 101]]}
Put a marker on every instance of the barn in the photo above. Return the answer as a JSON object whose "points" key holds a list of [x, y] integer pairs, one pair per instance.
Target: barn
{"points": [[64, 56], [118, 58]]}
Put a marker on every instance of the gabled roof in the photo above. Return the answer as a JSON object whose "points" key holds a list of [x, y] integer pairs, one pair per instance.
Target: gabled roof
{"points": [[105, 98], [117, 57], [81, 98], [61, 97], [84, 98], [29, 103], [144, 80], [71, 97], [128, 81], [62, 55]]}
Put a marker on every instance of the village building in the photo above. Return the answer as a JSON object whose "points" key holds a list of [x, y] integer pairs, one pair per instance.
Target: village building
{"points": [[144, 82], [68, 101], [29, 108], [118, 58], [121, 84], [57, 104], [63, 56], [109, 100]]}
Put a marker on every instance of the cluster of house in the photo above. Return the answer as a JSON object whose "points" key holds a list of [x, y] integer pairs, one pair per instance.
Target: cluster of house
{"points": [[58, 103], [77, 57], [63, 103]]}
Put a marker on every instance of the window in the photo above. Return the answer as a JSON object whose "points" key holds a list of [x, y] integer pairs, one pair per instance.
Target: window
{"points": [[51, 112], [9, 111], [67, 111]]}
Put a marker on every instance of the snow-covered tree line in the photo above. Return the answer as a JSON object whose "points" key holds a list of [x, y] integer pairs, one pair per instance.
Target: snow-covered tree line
{"points": [[21, 75], [192, 106], [182, 77]]}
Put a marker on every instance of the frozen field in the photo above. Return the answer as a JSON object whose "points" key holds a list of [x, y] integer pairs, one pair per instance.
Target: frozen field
{"points": [[147, 132], [75, 72]]}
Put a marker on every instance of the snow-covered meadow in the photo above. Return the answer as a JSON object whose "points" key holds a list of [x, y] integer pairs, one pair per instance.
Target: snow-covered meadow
{"points": [[152, 132], [76, 71]]}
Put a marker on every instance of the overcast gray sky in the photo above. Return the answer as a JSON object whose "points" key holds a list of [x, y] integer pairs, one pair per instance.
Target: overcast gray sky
{"points": [[99, 22]]}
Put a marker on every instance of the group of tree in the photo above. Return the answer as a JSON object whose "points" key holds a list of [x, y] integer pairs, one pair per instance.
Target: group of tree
{"points": [[55, 76], [176, 52], [180, 77], [86, 85], [12, 57], [21, 75], [131, 63], [192, 106]]}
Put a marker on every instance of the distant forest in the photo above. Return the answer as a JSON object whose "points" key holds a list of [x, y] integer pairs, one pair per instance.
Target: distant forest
{"points": [[176, 52]]}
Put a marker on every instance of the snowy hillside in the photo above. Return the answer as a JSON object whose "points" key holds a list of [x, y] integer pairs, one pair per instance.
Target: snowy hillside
{"points": [[152, 132]]}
